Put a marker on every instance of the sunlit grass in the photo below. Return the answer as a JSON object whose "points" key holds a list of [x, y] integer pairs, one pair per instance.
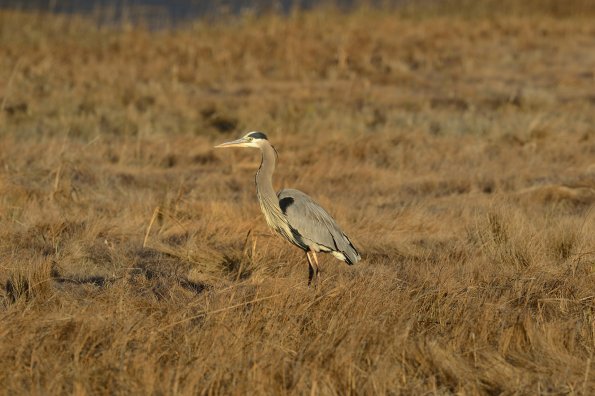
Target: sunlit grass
{"points": [[458, 154]]}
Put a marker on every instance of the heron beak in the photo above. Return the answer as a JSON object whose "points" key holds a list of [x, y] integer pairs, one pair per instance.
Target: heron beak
{"points": [[242, 142]]}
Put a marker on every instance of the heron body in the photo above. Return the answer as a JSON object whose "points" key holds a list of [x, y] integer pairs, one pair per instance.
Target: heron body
{"points": [[293, 214]]}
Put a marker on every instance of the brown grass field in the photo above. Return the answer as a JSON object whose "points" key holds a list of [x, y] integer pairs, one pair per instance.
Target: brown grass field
{"points": [[457, 152]]}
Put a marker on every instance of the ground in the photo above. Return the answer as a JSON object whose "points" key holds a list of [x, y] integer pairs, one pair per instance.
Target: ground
{"points": [[456, 151]]}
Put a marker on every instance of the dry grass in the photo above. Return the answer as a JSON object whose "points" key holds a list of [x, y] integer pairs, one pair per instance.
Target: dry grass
{"points": [[458, 154]]}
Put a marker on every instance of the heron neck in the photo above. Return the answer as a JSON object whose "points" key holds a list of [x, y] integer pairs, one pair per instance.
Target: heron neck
{"points": [[264, 176], [267, 198]]}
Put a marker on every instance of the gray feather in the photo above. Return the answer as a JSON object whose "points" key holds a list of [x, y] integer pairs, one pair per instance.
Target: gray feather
{"points": [[315, 226]]}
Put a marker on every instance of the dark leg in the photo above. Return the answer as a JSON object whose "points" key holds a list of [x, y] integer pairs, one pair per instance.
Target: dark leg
{"points": [[310, 269], [316, 267]]}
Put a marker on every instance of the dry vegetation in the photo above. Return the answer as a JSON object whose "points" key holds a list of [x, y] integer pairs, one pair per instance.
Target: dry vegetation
{"points": [[459, 154]]}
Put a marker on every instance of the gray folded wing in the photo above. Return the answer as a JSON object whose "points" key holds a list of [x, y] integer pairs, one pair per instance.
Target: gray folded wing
{"points": [[315, 226]]}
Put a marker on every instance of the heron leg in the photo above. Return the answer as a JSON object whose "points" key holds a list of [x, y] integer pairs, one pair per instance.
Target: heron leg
{"points": [[316, 266], [310, 268]]}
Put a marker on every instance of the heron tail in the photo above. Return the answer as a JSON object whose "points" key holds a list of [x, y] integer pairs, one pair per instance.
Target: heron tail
{"points": [[349, 252]]}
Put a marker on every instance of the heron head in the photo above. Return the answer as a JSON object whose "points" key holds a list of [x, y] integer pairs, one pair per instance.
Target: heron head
{"points": [[251, 139]]}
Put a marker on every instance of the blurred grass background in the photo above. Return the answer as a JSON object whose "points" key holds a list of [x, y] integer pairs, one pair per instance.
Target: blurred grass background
{"points": [[454, 142]]}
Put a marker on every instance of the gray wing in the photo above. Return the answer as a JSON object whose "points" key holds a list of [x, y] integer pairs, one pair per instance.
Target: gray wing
{"points": [[315, 226]]}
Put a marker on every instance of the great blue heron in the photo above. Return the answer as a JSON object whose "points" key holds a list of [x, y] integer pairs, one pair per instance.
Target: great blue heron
{"points": [[294, 215]]}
